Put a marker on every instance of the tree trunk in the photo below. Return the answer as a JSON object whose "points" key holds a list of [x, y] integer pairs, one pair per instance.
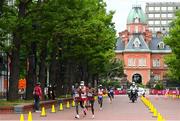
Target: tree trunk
{"points": [[14, 68], [31, 77], [14, 71], [42, 68], [53, 68]]}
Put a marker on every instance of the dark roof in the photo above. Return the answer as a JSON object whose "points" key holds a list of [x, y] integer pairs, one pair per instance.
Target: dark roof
{"points": [[154, 44], [144, 47], [119, 44], [131, 44]]}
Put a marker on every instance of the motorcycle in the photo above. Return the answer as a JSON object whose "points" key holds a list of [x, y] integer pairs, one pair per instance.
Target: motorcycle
{"points": [[133, 95]]}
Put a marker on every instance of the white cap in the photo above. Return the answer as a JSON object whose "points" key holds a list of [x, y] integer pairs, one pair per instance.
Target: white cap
{"points": [[82, 83]]}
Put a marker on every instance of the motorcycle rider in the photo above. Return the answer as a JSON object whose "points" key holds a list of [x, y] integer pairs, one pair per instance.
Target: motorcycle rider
{"points": [[133, 87]]}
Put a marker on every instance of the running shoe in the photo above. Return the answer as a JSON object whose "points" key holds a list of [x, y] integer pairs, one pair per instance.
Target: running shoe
{"points": [[77, 116], [84, 111]]}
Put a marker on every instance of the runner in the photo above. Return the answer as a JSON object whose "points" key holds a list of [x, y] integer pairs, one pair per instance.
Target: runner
{"points": [[76, 97], [110, 93], [90, 95], [83, 96], [100, 96]]}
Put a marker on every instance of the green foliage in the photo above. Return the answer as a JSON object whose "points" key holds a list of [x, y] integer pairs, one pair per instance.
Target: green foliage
{"points": [[114, 69], [107, 83], [141, 85], [173, 60], [159, 85], [76, 31]]}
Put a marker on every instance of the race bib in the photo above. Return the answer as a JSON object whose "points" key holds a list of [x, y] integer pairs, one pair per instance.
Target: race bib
{"points": [[76, 95], [100, 96], [89, 95]]}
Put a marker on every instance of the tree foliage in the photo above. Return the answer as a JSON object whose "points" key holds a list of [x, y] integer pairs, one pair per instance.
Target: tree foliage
{"points": [[72, 40], [173, 60]]}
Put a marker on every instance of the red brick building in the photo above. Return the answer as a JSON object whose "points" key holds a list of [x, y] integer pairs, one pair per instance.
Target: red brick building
{"points": [[142, 53]]}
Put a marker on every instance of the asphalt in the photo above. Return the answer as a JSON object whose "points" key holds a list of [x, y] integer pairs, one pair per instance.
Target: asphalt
{"points": [[120, 109]]}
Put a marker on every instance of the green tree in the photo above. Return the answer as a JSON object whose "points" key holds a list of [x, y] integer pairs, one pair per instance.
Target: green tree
{"points": [[173, 60], [13, 23], [73, 39]]}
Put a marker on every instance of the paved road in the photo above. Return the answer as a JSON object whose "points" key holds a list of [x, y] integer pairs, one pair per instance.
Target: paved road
{"points": [[120, 109], [169, 108]]}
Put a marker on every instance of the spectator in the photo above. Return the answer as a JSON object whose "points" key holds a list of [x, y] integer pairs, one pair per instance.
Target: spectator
{"points": [[54, 91], [37, 92], [46, 92], [50, 91]]}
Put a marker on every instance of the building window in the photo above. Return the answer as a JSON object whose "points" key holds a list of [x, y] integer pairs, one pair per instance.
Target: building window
{"points": [[161, 45], [131, 62], [11, 2], [137, 43], [136, 20], [163, 8], [156, 63], [170, 8], [169, 22], [151, 8], [150, 15], [157, 8], [157, 15], [142, 62], [163, 22], [157, 22], [170, 15], [151, 28], [150, 22], [157, 29], [136, 29], [163, 15]]}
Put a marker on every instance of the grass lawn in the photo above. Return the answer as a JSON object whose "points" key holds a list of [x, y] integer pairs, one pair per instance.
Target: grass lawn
{"points": [[4, 103]]}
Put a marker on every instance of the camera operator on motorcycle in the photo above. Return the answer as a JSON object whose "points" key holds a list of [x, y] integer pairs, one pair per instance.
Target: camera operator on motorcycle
{"points": [[133, 92]]}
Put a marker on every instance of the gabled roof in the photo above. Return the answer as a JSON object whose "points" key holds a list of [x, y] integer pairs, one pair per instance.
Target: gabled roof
{"points": [[154, 45], [120, 44], [130, 47], [137, 39]]}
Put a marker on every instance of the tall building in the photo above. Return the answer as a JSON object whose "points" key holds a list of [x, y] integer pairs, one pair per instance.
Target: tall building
{"points": [[160, 14], [141, 52]]}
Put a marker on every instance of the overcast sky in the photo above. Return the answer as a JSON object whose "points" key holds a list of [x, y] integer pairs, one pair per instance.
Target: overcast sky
{"points": [[122, 8]]}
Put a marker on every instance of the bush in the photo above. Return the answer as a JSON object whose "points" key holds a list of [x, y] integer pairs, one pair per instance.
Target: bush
{"points": [[108, 83], [159, 86]]}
